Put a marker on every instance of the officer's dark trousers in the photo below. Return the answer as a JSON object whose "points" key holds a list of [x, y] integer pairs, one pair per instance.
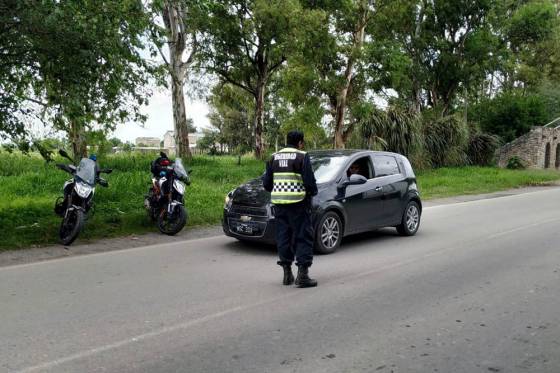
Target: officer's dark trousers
{"points": [[294, 233]]}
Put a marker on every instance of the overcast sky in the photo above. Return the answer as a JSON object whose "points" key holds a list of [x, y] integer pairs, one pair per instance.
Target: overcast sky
{"points": [[160, 117]]}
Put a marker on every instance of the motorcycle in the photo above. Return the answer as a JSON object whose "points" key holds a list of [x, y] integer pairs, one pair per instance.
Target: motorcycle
{"points": [[165, 199], [77, 201]]}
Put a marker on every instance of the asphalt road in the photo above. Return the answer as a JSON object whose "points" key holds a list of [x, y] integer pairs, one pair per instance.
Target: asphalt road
{"points": [[476, 290]]}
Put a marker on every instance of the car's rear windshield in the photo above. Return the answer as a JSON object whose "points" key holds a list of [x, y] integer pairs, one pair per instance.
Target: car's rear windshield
{"points": [[327, 167]]}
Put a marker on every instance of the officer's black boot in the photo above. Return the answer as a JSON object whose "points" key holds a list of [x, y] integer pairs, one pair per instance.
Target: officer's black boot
{"points": [[303, 280], [288, 275]]}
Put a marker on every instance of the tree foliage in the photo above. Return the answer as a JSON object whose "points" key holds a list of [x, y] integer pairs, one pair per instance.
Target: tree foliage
{"points": [[251, 40], [409, 74], [231, 118], [78, 62], [510, 115]]}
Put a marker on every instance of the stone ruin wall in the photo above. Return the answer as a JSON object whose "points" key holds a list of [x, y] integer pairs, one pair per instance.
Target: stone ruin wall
{"points": [[531, 149]]}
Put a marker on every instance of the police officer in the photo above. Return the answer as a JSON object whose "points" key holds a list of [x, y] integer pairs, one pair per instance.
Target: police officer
{"points": [[290, 179]]}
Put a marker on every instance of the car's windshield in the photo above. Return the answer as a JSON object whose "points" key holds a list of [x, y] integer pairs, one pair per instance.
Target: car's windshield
{"points": [[86, 171], [327, 167]]}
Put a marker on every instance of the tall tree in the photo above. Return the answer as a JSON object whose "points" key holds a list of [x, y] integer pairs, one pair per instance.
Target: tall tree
{"points": [[330, 63], [82, 63], [16, 67], [251, 41], [231, 117], [181, 31], [436, 50], [532, 33], [360, 15]]}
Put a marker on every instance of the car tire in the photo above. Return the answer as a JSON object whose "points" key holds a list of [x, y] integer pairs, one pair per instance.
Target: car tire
{"points": [[410, 220], [328, 234]]}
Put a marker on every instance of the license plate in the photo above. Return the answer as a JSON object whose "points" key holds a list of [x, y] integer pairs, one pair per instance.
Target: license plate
{"points": [[244, 228]]}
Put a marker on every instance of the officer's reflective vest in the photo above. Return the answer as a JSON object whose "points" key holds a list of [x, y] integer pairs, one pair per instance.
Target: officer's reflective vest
{"points": [[287, 186]]}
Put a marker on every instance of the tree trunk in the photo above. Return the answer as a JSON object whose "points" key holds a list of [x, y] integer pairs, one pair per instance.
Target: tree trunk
{"points": [[416, 97], [78, 141], [180, 120], [340, 135], [258, 122], [339, 142], [177, 68]]}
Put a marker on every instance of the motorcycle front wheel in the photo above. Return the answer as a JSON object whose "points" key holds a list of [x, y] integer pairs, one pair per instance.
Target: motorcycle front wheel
{"points": [[149, 204], [71, 226], [172, 224]]}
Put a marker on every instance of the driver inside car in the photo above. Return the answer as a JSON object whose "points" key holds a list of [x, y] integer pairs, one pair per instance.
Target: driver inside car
{"points": [[353, 169]]}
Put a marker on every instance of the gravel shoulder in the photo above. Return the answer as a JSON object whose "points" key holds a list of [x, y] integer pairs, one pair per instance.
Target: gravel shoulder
{"points": [[23, 256]]}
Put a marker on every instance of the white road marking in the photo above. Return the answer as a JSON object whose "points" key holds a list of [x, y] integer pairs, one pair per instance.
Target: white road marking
{"points": [[191, 323], [155, 333]]}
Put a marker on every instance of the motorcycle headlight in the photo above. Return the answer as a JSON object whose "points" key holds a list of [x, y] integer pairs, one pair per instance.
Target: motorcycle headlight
{"points": [[83, 189], [179, 186]]}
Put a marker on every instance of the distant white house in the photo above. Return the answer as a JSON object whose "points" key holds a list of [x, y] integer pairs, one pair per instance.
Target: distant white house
{"points": [[169, 140], [151, 142]]}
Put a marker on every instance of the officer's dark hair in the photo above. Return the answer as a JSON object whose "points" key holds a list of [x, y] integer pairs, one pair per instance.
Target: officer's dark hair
{"points": [[293, 138]]}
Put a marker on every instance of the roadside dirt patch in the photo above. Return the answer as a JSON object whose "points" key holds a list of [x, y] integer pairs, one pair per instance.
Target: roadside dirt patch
{"points": [[81, 247]]}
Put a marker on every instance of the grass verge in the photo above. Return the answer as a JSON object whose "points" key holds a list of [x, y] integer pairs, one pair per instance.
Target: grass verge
{"points": [[448, 182], [29, 187]]}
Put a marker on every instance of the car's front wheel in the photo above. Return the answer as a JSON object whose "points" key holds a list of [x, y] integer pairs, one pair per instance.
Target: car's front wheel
{"points": [[329, 233], [410, 220]]}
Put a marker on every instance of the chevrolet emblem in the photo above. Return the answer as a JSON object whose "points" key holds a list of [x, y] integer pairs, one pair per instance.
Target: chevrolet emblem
{"points": [[245, 218]]}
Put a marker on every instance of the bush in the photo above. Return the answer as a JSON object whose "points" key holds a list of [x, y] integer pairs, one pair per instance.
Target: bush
{"points": [[481, 147], [445, 140], [515, 163]]}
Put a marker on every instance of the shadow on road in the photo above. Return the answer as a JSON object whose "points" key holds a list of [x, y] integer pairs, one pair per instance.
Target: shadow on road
{"points": [[251, 248], [352, 242], [376, 237]]}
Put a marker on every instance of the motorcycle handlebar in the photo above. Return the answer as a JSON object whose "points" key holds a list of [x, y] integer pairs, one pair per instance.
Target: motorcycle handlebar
{"points": [[102, 182], [63, 167]]}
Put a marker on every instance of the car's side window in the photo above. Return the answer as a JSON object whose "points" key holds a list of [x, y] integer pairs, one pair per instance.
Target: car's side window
{"points": [[361, 166], [385, 165]]}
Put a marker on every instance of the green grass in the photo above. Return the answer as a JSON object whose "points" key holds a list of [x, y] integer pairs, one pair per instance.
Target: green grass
{"points": [[29, 187], [447, 182]]}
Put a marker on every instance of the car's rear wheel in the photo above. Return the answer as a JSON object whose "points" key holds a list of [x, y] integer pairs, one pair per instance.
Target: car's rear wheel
{"points": [[329, 233], [410, 220]]}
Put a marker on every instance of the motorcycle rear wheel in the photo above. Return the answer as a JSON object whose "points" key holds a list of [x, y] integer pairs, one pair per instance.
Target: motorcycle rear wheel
{"points": [[71, 226], [172, 224]]}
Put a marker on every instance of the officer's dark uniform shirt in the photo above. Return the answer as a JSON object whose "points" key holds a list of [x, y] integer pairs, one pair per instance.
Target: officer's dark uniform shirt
{"points": [[289, 177]]}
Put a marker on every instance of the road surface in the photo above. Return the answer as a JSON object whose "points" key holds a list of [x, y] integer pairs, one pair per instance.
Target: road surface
{"points": [[476, 290]]}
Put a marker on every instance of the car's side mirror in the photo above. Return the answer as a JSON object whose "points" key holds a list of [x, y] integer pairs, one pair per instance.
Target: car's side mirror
{"points": [[354, 179], [103, 182]]}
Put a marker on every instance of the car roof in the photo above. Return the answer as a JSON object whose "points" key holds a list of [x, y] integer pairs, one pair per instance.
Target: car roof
{"points": [[347, 152]]}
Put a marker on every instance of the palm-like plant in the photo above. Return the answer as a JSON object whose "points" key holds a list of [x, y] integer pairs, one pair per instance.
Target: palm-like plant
{"points": [[445, 140], [481, 147], [394, 129]]}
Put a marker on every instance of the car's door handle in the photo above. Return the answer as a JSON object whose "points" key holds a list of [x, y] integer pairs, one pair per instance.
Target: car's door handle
{"points": [[378, 189]]}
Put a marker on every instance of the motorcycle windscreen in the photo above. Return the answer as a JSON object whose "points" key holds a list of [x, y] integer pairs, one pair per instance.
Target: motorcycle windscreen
{"points": [[179, 168], [86, 171]]}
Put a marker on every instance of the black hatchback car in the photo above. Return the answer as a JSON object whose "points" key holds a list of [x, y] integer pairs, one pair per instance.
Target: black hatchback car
{"points": [[359, 191]]}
